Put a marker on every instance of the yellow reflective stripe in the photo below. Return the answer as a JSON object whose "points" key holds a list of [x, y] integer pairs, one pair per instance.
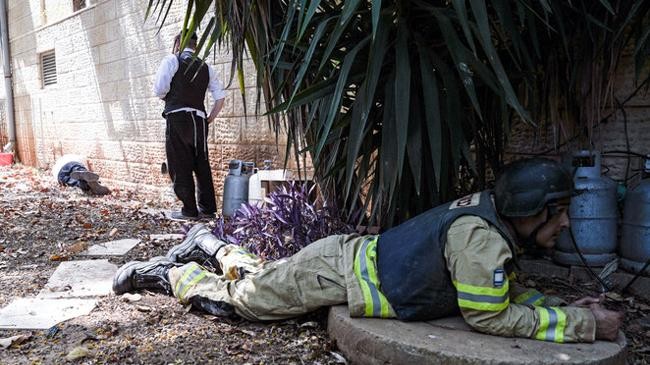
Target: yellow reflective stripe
{"points": [[482, 298], [561, 325], [188, 271], [543, 323], [532, 297], [365, 263], [552, 322], [482, 306], [371, 260], [193, 282], [482, 290], [192, 275], [365, 290]]}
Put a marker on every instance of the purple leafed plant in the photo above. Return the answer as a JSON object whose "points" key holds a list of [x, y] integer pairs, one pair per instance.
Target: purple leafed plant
{"points": [[287, 222]]}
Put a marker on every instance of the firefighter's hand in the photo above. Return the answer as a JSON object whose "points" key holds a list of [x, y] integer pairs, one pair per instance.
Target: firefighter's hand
{"points": [[607, 322], [587, 301]]}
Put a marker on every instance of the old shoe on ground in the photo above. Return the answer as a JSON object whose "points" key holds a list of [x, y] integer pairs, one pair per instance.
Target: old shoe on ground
{"points": [[86, 176], [200, 246], [137, 275], [98, 189]]}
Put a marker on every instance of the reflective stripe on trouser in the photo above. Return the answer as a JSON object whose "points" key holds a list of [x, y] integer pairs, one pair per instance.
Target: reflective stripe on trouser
{"points": [[365, 268], [552, 322], [316, 276], [530, 297], [483, 298], [235, 260]]}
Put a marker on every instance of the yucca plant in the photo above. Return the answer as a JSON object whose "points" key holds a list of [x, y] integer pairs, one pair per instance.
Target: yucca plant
{"points": [[405, 104]]}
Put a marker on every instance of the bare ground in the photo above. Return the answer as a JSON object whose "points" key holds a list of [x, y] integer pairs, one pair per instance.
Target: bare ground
{"points": [[42, 224]]}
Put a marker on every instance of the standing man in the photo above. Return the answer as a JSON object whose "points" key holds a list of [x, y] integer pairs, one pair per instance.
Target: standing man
{"points": [[182, 81]]}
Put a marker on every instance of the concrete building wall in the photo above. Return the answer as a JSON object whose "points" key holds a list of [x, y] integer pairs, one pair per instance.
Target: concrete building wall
{"points": [[102, 105]]}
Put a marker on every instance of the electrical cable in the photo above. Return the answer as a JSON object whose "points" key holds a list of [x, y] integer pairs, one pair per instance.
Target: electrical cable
{"points": [[637, 154], [584, 262], [629, 283]]}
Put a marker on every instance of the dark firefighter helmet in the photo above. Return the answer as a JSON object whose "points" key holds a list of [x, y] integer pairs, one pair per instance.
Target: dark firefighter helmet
{"points": [[525, 187]]}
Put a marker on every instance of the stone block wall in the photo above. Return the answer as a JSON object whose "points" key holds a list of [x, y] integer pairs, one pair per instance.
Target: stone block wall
{"points": [[102, 105], [622, 128]]}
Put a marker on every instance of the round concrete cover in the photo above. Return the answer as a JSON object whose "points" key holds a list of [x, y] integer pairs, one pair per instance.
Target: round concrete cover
{"points": [[451, 341]]}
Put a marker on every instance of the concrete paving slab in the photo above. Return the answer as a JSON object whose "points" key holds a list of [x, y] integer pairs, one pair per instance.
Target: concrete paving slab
{"points": [[111, 248], [39, 313], [74, 279], [450, 341]]}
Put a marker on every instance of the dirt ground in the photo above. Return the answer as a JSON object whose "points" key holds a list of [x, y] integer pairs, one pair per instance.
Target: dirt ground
{"points": [[42, 224]]}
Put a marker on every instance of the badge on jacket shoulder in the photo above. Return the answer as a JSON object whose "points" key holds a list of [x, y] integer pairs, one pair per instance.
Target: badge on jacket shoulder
{"points": [[498, 277], [471, 200]]}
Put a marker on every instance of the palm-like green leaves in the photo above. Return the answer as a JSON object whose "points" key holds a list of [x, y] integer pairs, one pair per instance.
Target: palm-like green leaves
{"points": [[402, 103]]}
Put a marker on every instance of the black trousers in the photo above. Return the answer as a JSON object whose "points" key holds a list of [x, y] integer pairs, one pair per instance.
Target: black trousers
{"points": [[67, 169], [186, 144]]}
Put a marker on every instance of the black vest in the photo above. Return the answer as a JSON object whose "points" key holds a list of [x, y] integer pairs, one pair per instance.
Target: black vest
{"points": [[411, 262], [186, 90]]}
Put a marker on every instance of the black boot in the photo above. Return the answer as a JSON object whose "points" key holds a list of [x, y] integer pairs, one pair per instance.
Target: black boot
{"points": [[136, 275], [200, 246]]}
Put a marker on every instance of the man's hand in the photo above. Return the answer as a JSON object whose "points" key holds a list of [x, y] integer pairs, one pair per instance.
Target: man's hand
{"points": [[587, 301], [607, 322]]}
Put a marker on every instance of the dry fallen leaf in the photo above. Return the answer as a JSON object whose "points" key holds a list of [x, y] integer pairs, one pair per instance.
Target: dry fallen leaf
{"points": [[87, 225], [77, 247], [14, 340], [58, 257], [77, 353], [130, 298], [143, 308], [614, 296]]}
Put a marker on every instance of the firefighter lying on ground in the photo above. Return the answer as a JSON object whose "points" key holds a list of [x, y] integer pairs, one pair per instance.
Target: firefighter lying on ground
{"points": [[455, 258]]}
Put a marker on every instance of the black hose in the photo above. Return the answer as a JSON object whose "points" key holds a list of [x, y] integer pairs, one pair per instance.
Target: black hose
{"points": [[629, 283], [584, 262]]}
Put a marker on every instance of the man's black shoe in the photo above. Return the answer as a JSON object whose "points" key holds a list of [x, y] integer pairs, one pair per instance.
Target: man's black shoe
{"points": [[206, 215], [200, 246], [179, 216], [136, 275], [86, 176]]}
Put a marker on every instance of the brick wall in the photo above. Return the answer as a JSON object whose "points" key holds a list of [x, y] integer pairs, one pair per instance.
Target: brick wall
{"points": [[607, 136], [102, 105]]}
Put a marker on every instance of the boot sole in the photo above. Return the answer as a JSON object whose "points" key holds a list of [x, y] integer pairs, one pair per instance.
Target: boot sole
{"points": [[122, 280], [184, 247]]}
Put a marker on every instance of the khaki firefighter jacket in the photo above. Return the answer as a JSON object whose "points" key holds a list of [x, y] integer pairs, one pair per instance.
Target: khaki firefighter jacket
{"points": [[491, 302]]}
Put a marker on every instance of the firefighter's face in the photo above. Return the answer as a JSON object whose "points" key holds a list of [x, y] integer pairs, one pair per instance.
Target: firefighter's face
{"points": [[556, 216]]}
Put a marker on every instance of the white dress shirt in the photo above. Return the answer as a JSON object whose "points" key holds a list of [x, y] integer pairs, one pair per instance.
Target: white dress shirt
{"points": [[166, 72]]}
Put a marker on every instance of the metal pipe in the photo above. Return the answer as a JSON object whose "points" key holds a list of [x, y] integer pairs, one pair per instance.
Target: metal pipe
{"points": [[6, 64]]}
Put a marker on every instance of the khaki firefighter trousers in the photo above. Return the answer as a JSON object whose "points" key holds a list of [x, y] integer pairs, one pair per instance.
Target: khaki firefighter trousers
{"points": [[320, 274]]}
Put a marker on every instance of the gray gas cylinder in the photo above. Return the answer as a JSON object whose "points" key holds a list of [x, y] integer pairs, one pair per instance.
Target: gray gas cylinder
{"points": [[635, 236], [235, 188], [594, 215]]}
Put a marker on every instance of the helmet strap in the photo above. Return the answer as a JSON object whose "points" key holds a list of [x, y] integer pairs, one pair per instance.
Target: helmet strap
{"points": [[531, 240]]}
